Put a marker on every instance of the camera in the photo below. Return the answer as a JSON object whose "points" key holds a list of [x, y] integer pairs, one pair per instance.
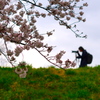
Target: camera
{"points": [[74, 51]]}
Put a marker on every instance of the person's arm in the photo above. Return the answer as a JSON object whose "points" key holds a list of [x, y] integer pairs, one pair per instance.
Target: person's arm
{"points": [[79, 56]]}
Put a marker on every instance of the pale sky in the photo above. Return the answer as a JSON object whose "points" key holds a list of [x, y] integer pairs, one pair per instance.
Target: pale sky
{"points": [[65, 39]]}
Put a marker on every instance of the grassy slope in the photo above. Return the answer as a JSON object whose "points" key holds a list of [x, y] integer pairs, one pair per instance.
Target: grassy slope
{"points": [[51, 84]]}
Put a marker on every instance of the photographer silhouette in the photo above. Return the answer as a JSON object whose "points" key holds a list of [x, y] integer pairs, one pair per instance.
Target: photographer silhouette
{"points": [[83, 57]]}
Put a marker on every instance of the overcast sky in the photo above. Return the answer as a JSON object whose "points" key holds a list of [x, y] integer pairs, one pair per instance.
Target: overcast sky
{"points": [[65, 39]]}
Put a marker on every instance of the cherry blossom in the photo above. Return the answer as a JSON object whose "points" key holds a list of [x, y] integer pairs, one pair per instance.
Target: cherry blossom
{"points": [[18, 26]]}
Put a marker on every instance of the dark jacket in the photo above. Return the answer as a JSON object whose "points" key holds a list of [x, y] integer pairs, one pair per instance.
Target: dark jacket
{"points": [[83, 58]]}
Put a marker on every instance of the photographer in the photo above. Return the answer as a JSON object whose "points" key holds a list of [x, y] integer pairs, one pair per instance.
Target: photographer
{"points": [[83, 57]]}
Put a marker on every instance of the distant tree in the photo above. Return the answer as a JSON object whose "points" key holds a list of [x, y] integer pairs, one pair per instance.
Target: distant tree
{"points": [[18, 20]]}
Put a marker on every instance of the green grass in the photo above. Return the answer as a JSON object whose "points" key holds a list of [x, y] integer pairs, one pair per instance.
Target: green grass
{"points": [[50, 84]]}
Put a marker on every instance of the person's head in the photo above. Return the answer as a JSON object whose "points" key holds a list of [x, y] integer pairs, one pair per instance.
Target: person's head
{"points": [[81, 49]]}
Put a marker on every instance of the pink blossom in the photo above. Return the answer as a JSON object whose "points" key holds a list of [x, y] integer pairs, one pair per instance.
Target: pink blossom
{"points": [[33, 20], [62, 15], [12, 58], [27, 47], [59, 56], [85, 4], [71, 13], [73, 64], [38, 44], [19, 5], [2, 4], [49, 33], [22, 13], [79, 18], [81, 13], [30, 12], [84, 20], [49, 49], [68, 18], [77, 0], [68, 63], [40, 4], [27, 35], [18, 50], [43, 15], [23, 75], [9, 53]]}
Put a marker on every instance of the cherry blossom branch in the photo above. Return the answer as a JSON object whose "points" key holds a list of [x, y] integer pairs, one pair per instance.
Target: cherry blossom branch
{"points": [[27, 35], [63, 23], [8, 56], [48, 59]]}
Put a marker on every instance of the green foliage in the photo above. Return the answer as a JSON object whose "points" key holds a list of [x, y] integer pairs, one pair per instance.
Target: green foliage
{"points": [[50, 84]]}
